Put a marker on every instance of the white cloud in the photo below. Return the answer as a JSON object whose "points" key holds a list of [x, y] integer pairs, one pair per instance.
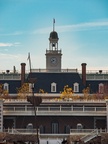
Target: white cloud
{"points": [[6, 44], [76, 27], [83, 26], [9, 44], [12, 34]]}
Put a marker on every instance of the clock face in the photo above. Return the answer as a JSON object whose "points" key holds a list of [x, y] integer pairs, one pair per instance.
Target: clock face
{"points": [[53, 60]]}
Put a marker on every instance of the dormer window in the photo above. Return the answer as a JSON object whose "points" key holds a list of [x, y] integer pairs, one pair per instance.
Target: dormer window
{"points": [[6, 87], [76, 87], [53, 87], [30, 87], [101, 88]]}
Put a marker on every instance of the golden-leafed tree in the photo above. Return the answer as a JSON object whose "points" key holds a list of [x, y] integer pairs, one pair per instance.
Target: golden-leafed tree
{"points": [[23, 91], [67, 93], [41, 91], [86, 92], [1, 89], [3, 92]]}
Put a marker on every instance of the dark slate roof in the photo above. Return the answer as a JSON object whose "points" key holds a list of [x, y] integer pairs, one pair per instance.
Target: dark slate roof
{"points": [[13, 85], [44, 81], [94, 85], [53, 35]]}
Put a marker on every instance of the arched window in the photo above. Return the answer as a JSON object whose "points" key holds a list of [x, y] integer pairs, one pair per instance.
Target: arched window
{"points": [[42, 129], [79, 126], [76, 87], [68, 129], [6, 87], [55, 127], [101, 88], [53, 87]]}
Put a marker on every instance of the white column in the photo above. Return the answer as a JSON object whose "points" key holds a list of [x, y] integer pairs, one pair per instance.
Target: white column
{"points": [[1, 115], [107, 114]]}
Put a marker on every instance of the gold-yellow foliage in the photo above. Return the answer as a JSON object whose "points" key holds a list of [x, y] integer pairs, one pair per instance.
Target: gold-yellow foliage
{"points": [[67, 92], [23, 90], [1, 89], [86, 92], [41, 91], [3, 92]]}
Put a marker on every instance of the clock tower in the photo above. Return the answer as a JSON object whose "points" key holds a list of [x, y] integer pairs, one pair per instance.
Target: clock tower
{"points": [[53, 54]]}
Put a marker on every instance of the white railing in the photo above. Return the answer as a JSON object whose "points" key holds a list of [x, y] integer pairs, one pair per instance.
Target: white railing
{"points": [[53, 98], [97, 77], [50, 110], [55, 70], [57, 108], [80, 131], [10, 77], [21, 131], [90, 136]]}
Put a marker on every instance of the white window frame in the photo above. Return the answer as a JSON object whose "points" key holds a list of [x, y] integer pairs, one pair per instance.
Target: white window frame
{"points": [[101, 88], [55, 127], [53, 87], [30, 87], [6, 87], [76, 87]]}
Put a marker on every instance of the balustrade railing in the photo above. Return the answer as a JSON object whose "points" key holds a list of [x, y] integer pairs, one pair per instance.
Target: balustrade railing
{"points": [[21, 131], [84, 109], [79, 131], [90, 136], [97, 77]]}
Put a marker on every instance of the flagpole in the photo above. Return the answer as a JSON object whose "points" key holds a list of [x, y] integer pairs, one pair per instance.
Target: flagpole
{"points": [[29, 61], [53, 24], [30, 64]]}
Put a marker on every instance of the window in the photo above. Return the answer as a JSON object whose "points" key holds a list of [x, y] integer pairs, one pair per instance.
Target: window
{"points": [[54, 127], [79, 126], [53, 87], [30, 87], [67, 129], [42, 129], [76, 87], [101, 88], [6, 87]]}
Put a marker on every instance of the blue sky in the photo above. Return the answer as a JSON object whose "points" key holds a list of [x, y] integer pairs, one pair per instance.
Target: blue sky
{"points": [[82, 27]]}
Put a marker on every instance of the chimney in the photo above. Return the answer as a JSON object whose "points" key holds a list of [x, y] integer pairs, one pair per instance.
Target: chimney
{"points": [[84, 73], [22, 73]]}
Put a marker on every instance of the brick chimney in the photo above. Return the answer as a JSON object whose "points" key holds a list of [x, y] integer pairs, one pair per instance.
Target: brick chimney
{"points": [[22, 73], [84, 73]]}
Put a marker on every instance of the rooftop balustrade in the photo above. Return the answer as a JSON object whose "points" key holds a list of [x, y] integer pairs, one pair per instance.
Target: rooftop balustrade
{"points": [[90, 74], [54, 110]]}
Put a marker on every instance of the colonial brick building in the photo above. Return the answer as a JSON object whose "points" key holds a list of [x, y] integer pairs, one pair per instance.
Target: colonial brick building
{"points": [[55, 116]]}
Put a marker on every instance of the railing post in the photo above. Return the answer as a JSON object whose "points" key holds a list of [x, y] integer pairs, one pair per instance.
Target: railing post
{"points": [[25, 107], [8, 129], [48, 108], [72, 107], [37, 109], [60, 108], [107, 113], [12, 131], [83, 108], [97, 132]]}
